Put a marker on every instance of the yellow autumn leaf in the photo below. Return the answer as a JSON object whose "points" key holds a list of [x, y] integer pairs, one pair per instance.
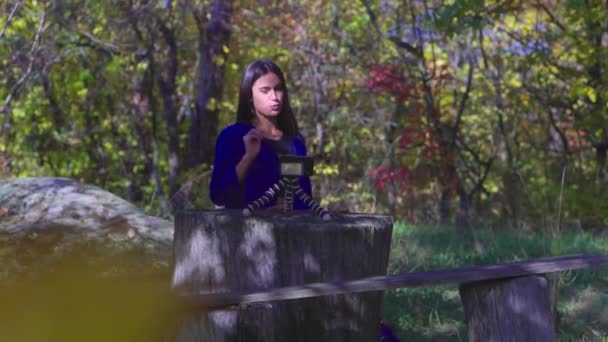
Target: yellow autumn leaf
{"points": [[591, 94]]}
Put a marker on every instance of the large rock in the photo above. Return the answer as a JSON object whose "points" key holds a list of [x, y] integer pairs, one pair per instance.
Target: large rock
{"points": [[46, 218]]}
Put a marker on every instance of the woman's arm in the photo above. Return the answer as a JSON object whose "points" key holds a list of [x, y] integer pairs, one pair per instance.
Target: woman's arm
{"points": [[225, 188], [235, 150], [243, 167], [252, 141]]}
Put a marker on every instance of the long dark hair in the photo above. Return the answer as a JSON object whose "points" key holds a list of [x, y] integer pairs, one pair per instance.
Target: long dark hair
{"points": [[245, 111]]}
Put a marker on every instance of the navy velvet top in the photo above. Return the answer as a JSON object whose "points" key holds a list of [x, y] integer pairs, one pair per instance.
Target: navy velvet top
{"points": [[225, 189]]}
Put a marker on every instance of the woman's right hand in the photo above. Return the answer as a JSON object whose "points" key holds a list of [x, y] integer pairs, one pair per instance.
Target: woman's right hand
{"points": [[253, 142]]}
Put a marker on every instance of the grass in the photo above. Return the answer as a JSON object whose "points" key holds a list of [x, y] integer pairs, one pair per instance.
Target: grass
{"points": [[435, 313]]}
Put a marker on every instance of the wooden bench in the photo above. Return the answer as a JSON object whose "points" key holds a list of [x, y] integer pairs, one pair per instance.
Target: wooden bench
{"points": [[502, 302]]}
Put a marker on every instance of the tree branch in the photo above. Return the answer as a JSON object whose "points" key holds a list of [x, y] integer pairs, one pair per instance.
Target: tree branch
{"points": [[407, 46], [553, 18], [10, 18], [463, 101], [24, 77], [372, 17], [98, 43]]}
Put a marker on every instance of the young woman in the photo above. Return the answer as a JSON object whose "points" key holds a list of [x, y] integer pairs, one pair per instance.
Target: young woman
{"points": [[246, 152]]}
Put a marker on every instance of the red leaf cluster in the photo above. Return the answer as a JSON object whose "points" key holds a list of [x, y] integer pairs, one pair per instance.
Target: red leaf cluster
{"points": [[576, 137], [422, 132], [396, 176], [386, 78]]}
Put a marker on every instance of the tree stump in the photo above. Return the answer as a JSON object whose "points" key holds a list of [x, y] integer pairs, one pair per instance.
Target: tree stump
{"points": [[510, 309], [223, 251]]}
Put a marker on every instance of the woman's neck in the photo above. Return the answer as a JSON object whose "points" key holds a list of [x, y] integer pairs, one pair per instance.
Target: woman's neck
{"points": [[269, 126]]}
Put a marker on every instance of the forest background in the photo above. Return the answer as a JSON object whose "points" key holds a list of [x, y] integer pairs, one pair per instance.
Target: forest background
{"points": [[461, 113]]}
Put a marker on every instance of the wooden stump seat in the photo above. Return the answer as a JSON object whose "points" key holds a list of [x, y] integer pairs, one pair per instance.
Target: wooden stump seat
{"points": [[223, 251]]}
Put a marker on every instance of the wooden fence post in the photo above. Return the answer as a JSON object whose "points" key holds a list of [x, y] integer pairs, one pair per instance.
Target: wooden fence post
{"points": [[510, 309], [222, 251]]}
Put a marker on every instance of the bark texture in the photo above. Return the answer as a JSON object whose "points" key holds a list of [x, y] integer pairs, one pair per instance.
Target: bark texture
{"points": [[511, 309]]}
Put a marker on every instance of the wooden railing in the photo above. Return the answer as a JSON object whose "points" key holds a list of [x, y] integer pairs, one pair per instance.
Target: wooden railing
{"points": [[465, 275]]}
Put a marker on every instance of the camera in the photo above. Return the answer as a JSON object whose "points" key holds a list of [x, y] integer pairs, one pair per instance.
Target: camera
{"points": [[292, 165]]}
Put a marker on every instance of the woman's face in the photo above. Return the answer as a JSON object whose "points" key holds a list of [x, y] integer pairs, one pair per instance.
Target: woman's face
{"points": [[267, 92]]}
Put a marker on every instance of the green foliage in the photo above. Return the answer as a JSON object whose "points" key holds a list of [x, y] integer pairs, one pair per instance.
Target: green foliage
{"points": [[462, 14], [89, 106]]}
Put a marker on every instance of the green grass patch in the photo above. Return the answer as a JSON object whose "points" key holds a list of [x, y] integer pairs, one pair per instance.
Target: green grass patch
{"points": [[434, 313]]}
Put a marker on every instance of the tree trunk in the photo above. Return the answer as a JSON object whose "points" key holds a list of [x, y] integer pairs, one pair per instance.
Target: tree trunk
{"points": [[463, 219], [222, 251], [166, 82], [601, 150], [212, 39], [513, 195], [445, 204], [510, 309], [154, 159]]}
